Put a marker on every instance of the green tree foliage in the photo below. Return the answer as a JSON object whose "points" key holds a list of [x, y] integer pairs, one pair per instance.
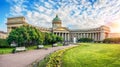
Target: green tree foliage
{"points": [[85, 40], [3, 43], [59, 39], [28, 35], [25, 36], [51, 38], [111, 40], [48, 38]]}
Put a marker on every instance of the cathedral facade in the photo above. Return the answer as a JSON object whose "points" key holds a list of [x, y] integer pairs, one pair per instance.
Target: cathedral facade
{"points": [[97, 34]]}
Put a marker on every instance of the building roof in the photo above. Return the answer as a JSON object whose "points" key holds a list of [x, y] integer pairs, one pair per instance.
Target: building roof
{"points": [[16, 17], [61, 29], [3, 32], [56, 19]]}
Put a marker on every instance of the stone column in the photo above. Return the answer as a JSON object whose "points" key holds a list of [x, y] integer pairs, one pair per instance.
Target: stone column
{"points": [[102, 37], [87, 35], [65, 36], [90, 35], [68, 36], [96, 36], [62, 35], [77, 36], [82, 35], [93, 36], [99, 36]]}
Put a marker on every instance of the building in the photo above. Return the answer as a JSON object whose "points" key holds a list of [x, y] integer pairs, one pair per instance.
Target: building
{"points": [[15, 22], [3, 35], [114, 35], [98, 34]]}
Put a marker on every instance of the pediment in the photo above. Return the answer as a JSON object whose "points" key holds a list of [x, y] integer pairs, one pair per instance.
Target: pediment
{"points": [[61, 29]]}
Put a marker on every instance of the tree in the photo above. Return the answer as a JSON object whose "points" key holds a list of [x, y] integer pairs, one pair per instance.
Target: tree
{"points": [[48, 38], [28, 36], [25, 36], [59, 39], [4, 43]]}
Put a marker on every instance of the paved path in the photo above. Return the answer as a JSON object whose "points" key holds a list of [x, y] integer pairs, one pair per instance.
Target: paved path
{"points": [[23, 59]]}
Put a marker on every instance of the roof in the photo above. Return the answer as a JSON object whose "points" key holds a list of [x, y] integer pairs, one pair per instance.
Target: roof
{"points": [[16, 17], [3, 32], [61, 29], [56, 19]]}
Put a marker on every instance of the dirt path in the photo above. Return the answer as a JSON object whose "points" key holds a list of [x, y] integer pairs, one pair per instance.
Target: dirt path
{"points": [[23, 59]]}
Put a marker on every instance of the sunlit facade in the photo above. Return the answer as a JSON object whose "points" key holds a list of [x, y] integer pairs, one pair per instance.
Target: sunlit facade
{"points": [[3, 35], [97, 34]]}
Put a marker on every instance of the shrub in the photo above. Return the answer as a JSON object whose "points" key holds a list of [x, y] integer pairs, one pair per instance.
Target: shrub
{"points": [[85, 40], [111, 40], [55, 58], [29, 36], [4, 43]]}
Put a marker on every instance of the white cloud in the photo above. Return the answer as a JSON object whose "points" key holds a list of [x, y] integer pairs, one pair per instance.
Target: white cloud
{"points": [[73, 13]]}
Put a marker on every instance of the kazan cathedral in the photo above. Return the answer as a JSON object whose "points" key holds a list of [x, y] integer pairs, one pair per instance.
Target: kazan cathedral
{"points": [[97, 34]]}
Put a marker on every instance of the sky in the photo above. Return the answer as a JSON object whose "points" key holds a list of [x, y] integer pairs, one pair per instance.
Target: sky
{"points": [[75, 14]]}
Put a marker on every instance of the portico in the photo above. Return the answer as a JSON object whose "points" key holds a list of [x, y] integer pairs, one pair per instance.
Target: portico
{"points": [[97, 34]]}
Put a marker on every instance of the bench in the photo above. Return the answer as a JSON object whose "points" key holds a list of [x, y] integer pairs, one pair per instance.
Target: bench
{"points": [[55, 45], [19, 49], [40, 46]]}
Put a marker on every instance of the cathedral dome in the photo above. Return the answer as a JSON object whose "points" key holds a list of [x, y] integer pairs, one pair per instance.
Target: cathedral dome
{"points": [[56, 19]]}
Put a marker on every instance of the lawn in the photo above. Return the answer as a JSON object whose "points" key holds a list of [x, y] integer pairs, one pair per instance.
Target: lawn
{"points": [[9, 50], [92, 55], [5, 50]]}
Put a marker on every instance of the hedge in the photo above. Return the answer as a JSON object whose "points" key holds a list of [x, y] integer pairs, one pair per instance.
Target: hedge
{"points": [[4, 43], [111, 40], [55, 58], [85, 40]]}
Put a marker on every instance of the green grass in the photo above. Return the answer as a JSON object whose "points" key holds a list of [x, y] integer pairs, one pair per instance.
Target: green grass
{"points": [[54, 59], [5, 50], [92, 55], [9, 50], [31, 47]]}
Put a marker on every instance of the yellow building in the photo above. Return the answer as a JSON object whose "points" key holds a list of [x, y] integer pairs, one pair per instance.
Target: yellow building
{"points": [[3, 35], [15, 22], [98, 34]]}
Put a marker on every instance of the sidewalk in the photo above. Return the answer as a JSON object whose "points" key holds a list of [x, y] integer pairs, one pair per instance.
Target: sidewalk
{"points": [[23, 59]]}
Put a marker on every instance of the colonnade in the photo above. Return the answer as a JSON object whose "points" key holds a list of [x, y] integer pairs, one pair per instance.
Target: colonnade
{"points": [[64, 35], [96, 36]]}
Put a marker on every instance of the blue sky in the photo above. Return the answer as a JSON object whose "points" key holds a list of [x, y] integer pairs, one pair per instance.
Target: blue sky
{"points": [[4, 9], [75, 14]]}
